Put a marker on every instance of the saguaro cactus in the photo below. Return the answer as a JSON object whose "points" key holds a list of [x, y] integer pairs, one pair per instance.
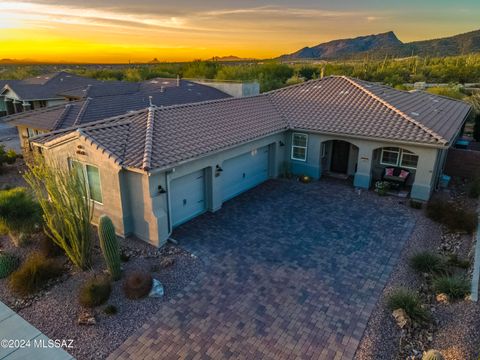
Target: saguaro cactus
{"points": [[109, 246]]}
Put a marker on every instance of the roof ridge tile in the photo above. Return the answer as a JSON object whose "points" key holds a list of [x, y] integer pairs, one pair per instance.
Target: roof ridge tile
{"points": [[62, 116], [147, 155], [82, 111]]}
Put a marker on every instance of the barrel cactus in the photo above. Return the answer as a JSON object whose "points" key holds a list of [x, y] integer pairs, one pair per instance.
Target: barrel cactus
{"points": [[8, 264], [432, 355], [109, 246]]}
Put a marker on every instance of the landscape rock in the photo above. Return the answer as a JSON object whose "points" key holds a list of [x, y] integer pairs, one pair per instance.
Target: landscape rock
{"points": [[157, 289], [401, 318], [167, 262], [86, 318], [443, 298]]}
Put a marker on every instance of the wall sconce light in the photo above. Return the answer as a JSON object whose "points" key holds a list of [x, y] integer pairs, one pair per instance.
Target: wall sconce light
{"points": [[281, 143], [161, 190], [218, 170]]}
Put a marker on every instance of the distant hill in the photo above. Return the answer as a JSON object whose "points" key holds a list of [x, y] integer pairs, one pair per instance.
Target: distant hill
{"points": [[380, 45], [230, 58]]}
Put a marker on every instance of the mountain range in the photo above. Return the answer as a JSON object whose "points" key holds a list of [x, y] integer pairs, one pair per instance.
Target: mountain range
{"points": [[388, 44]]}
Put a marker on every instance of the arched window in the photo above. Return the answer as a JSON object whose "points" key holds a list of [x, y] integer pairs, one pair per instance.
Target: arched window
{"points": [[392, 156]]}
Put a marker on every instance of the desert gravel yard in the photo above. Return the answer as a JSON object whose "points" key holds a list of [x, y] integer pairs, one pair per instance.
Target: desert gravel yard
{"points": [[291, 270]]}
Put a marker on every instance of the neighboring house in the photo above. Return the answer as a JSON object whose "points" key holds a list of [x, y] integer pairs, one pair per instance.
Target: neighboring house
{"points": [[154, 169], [99, 101], [39, 92]]}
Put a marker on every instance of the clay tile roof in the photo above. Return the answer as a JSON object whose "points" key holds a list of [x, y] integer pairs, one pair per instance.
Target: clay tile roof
{"points": [[159, 137]]}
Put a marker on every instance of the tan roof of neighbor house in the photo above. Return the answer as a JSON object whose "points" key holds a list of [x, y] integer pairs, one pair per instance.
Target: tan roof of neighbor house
{"points": [[159, 137]]}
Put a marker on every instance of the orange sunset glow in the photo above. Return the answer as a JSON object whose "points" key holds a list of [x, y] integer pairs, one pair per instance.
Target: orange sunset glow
{"points": [[119, 31]]}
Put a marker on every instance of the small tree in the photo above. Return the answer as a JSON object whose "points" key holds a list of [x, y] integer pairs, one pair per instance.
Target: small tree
{"points": [[67, 210], [19, 213]]}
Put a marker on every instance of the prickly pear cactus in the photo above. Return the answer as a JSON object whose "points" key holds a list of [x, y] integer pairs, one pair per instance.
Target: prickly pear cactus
{"points": [[109, 246]]}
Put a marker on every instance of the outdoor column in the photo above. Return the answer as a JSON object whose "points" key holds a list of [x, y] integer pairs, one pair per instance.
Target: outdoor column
{"points": [[7, 106], [363, 174], [422, 186]]}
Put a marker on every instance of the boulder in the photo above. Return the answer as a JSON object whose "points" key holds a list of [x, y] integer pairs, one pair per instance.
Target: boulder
{"points": [[401, 318]]}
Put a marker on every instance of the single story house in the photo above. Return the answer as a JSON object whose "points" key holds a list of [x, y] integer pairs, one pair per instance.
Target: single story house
{"points": [[107, 99], [154, 169], [39, 92]]}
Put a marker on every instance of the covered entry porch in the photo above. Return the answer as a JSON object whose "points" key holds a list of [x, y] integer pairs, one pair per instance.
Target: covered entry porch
{"points": [[364, 161]]}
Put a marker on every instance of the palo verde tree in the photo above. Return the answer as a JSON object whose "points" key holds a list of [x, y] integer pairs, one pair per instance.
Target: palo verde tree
{"points": [[67, 211]]}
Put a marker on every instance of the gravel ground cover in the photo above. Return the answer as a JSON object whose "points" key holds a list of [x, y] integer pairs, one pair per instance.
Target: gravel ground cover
{"points": [[455, 329], [56, 310]]}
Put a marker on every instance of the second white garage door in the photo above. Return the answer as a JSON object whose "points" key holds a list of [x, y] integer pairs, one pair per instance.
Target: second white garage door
{"points": [[244, 172]]}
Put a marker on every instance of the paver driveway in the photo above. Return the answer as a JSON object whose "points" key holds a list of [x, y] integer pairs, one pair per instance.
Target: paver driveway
{"points": [[292, 271]]}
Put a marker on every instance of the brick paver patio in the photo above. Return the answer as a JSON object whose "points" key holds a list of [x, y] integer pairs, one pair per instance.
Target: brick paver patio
{"points": [[292, 271]]}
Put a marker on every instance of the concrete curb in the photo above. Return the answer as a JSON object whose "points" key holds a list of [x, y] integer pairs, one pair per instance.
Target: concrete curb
{"points": [[476, 263]]}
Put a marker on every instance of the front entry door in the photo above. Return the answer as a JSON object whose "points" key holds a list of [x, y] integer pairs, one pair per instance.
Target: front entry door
{"points": [[340, 152]]}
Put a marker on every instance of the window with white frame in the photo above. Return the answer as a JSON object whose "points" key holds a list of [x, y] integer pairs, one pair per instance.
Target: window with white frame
{"points": [[392, 156], [91, 175], [299, 146]]}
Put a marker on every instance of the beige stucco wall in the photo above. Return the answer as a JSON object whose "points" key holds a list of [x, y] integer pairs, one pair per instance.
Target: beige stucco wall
{"points": [[424, 176], [111, 177]]}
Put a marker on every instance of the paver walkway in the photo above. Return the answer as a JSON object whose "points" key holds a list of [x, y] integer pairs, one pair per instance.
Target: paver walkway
{"points": [[20, 340], [292, 271]]}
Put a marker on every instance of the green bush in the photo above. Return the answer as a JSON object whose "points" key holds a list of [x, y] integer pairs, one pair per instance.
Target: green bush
{"points": [[455, 287], [67, 210], [137, 284], [48, 248], [8, 264], [8, 157], [438, 210], [19, 212], [474, 188], [95, 292], [414, 204], [410, 302], [427, 262], [456, 219], [34, 274], [454, 260], [110, 310]]}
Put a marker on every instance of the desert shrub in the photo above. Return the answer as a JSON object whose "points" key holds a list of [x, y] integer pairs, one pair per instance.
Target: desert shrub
{"points": [[95, 291], [427, 262], [137, 284], [414, 204], [67, 209], [456, 287], [437, 210], [456, 219], [410, 302], [454, 260], [474, 188], [48, 248], [432, 355], [34, 274], [110, 310], [10, 156], [8, 264], [19, 212], [462, 220]]}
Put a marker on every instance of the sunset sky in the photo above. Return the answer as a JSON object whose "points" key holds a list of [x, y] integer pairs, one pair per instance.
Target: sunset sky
{"points": [[172, 30]]}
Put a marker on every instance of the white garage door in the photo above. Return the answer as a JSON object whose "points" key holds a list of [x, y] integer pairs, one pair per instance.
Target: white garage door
{"points": [[244, 172], [187, 196]]}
